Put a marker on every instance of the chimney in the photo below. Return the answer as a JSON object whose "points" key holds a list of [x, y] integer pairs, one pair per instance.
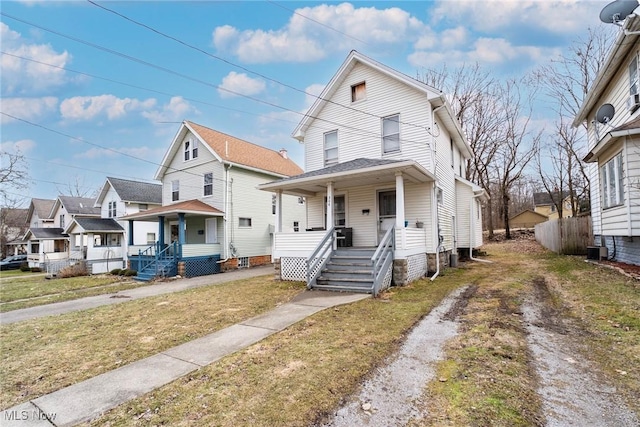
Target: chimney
{"points": [[283, 153]]}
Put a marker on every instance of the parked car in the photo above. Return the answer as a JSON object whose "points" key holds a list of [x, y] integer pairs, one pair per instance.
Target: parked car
{"points": [[13, 262]]}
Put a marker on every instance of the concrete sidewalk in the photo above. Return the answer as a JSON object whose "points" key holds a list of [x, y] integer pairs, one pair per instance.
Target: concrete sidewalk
{"points": [[131, 294], [89, 399]]}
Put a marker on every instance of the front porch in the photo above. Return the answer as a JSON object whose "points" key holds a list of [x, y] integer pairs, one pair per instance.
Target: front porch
{"points": [[187, 242], [366, 201]]}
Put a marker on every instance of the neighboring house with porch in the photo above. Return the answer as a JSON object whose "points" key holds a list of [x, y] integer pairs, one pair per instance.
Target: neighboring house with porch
{"points": [[386, 201], [103, 242], [50, 244], [212, 215], [611, 109], [13, 225]]}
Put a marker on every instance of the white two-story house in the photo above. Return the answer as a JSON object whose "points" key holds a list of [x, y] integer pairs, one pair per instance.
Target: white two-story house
{"points": [[212, 215], [386, 201], [611, 109]]}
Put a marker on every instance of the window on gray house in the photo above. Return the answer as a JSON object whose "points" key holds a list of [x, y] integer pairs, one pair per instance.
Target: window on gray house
{"points": [[208, 184], [175, 190]]}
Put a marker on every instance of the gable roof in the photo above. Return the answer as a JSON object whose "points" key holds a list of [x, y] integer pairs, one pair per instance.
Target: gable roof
{"points": [[77, 205], [41, 207], [132, 191], [231, 150], [529, 212], [46, 233], [435, 96]]}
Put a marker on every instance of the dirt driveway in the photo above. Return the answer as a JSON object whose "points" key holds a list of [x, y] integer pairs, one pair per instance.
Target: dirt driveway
{"points": [[510, 333]]}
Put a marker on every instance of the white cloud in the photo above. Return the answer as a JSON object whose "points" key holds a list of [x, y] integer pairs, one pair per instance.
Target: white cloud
{"points": [[90, 107], [557, 16], [176, 110], [22, 76], [22, 146], [302, 40], [239, 83], [314, 92], [27, 108]]}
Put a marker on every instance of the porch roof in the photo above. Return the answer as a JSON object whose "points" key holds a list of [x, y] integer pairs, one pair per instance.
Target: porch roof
{"points": [[98, 225], [52, 233], [189, 208], [354, 173]]}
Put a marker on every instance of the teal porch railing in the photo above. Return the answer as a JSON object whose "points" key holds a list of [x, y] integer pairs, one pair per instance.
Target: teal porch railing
{"points": [[155, 256]]}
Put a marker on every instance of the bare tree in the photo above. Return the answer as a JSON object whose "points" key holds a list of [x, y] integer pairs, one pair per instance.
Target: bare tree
{"points": [[14, 178], [473, 95], [565, 82], [77, 188], [516, 145]]}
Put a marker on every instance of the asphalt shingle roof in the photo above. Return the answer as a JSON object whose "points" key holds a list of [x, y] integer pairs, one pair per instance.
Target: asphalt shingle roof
{"points": [[48, 233], [138, 192], [42, 207], [79, 205], [98, 224]]}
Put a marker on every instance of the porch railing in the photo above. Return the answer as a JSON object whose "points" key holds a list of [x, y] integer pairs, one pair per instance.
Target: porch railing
{"points": [[155, 255], [382, 259], [320, 256]]}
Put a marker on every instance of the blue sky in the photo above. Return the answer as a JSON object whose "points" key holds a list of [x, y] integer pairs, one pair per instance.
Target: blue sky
{"points": [[98, 95]]}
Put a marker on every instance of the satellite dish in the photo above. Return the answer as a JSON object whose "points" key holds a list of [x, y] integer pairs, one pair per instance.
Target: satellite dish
{"points": [[605, 113], [617, 11]]}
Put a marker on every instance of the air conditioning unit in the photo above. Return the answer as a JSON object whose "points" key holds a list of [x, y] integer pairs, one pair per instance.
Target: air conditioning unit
{"points": [[633, 102]]}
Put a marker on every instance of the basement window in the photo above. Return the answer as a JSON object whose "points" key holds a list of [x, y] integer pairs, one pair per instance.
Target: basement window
{"points": [[243, 262]]}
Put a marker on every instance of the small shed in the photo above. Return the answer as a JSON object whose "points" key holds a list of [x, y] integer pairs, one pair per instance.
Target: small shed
{"points": [[527, 219]]}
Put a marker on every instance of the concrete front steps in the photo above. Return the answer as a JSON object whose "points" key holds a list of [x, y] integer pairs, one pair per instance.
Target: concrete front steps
{"points": [[348, 270]]}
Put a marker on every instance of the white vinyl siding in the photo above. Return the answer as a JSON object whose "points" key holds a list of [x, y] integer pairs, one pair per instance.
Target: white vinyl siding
{"points": [[360, 134]]}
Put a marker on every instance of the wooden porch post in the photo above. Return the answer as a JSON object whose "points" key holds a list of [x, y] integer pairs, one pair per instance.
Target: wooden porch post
{"points": [[161, 230], [399, 201], [330, 221], [181, 234], [130, 239], [278, 211]]}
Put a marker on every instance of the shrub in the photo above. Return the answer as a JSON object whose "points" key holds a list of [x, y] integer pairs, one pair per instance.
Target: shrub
{"points": [[36, 270], [116, 271], [73, 271], [129, 272], [25, 267]]}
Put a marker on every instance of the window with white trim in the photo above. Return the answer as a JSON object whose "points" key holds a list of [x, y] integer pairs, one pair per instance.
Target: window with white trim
{"points": [[633, 76], [391, 134], [244, 222], [208, 184], [612, 176], [358, 92], [331, 148], [190, 149], [439, 196], [112, 210], [175, 190], [151, 238]]}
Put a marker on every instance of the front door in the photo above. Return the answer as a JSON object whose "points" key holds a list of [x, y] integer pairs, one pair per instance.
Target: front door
{"points": [[386, 212]]}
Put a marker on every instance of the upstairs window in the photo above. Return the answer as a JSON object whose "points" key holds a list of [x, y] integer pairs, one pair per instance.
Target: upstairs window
{"points": [[61, 220], [112, 210], [612, 182], [358, 92], [175, 190], [331, 148], [208, 184], [633, 76], [190, 149], [391, 134]]}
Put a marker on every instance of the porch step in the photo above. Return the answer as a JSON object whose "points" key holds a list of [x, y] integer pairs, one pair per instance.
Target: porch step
{"points": [[164, 268], [348, 270]]}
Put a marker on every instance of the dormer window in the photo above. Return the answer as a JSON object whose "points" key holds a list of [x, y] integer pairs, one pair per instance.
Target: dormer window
{"points": [[358, 92], [190, 149]]}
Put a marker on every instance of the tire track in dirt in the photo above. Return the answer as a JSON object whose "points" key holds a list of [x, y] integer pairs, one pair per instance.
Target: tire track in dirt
{"points": [[571, 392]]}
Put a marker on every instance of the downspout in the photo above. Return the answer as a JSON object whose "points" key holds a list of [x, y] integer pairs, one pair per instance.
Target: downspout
{"points": [[440, 239], [225, 245], [472, 231]]}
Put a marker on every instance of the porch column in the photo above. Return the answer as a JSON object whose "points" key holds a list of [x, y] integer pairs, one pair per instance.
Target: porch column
{"points": [[181, 237], [399, 201], [278, 211], [130, 239], [330, 221], [161, 230]]}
